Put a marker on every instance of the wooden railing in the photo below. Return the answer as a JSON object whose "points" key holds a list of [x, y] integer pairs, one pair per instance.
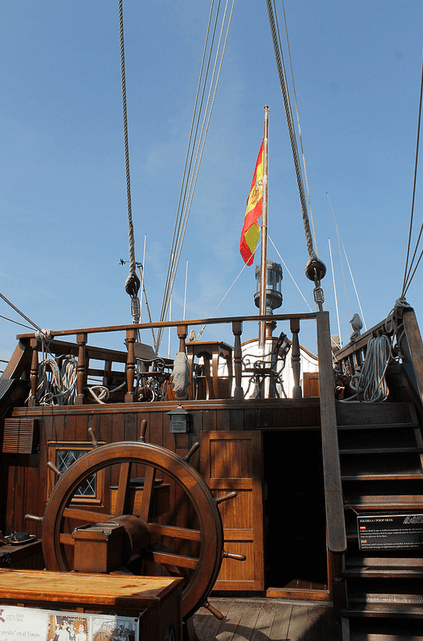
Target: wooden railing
{"points": [[30, 346], [351, 357]]}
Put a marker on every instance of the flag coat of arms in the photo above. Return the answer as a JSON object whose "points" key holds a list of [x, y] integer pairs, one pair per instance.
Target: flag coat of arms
{"points": [[251, 230]]}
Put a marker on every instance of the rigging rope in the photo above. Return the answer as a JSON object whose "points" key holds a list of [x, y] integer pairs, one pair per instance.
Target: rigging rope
{"points": [[292, 278], [44, 332], [298, 116], [315, 269], [290, 121], [407, 280], [341, 244], [132, 283], [196, 145]]}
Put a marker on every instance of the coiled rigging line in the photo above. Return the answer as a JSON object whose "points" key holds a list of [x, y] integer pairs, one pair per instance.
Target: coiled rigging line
{"points": [[201, 114]]}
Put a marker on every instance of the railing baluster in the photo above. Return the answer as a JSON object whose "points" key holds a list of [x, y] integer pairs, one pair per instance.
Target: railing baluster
{"points": [[182, 334], [81, 372], [33, 376], [296, 358], [237, 331], [130, 366]]}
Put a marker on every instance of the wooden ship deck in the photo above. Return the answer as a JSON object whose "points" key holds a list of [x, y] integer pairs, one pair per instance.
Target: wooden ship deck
{"points": [[257, 619]]}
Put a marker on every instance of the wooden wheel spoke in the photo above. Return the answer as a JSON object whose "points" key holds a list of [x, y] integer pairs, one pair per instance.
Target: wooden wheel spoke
{"points": [[86, 515], [175, 532], [66, 538], [175, 560], [123, 486], [147, 493]]}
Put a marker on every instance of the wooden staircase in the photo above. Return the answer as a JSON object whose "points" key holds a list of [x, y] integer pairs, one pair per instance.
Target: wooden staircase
{"points": [[381, 454]]}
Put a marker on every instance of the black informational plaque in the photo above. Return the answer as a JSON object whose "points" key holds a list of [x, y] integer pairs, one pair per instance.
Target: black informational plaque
{"points": [[390, 532]]}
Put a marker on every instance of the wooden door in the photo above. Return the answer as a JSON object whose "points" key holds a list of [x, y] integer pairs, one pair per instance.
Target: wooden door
{"points": [[233, 461]]}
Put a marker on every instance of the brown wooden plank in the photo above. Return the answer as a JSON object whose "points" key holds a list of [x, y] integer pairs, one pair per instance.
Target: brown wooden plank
{"points": [[206, 625], [102, 427], [87, 516], [300, 593], [118, 431], [248, 621], [174, 532], [123, 486], [264, 621], [147, 494], [175, 560], [81, 429], [232, 619], [281, 623], [69, 587]]}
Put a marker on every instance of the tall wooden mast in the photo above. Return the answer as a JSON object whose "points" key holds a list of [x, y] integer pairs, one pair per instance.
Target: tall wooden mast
{"points": [[262, 309]]}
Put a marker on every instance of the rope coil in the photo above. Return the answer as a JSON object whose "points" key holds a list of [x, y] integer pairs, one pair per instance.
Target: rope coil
{"points": [[57, 381], [370, 383]]}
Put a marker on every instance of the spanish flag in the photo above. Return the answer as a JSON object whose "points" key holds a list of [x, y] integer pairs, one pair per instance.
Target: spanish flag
{"points": [[251, 230]]}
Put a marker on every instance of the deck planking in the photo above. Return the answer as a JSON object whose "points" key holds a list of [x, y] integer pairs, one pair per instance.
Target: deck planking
{"points": [[260, 619]]}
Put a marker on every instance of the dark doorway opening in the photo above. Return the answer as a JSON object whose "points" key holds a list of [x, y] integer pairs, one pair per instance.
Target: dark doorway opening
{"points": [[295, 527]]}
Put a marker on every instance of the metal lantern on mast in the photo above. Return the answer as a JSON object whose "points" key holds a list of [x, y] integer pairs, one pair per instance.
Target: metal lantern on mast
{"points": [[273, 294]]}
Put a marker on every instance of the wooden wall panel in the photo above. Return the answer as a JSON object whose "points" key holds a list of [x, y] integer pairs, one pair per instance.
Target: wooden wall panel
{"points": [[25, 477], [102, 427], [233, 461]]}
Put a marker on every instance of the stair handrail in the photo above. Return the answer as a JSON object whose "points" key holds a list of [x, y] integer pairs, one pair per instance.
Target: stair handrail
{"points": [[415, 347], [335, 519]]}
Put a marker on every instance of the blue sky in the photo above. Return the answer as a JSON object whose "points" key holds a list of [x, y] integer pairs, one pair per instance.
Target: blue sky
{"points": [[357, 71]]}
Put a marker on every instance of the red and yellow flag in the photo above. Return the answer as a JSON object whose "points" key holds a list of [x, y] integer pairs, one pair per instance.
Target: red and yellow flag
{"points": [[251, 230]]}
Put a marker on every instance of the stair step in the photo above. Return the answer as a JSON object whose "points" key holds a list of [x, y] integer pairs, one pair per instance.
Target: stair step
{"points": [[385, 561], [382, 450], [371, 414], [386, 636], [356, 629], [385, 502], [382, 464], [394, 572], [400, 476], [374, 426], [386, 605]]}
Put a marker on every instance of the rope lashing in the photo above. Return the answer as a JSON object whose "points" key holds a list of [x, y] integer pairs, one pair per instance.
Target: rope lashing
{"points": [[132, 283]]}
